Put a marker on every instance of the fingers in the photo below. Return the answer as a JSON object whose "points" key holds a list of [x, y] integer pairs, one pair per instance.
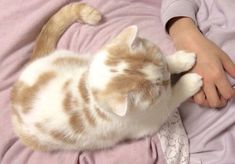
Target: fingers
{"points": [[224, 88], [200, 99], [228, 65], [214, 99], [223, 102]]}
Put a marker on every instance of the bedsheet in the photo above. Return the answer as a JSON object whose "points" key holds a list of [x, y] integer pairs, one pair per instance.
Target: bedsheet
{"points": [[20, 23], [211, 133]]}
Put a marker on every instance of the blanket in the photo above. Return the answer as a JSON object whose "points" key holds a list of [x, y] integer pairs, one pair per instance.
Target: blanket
{"points": [[21, 22]]}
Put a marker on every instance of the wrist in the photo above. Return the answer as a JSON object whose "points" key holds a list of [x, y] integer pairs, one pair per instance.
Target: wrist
{"points": [[184, 33]]}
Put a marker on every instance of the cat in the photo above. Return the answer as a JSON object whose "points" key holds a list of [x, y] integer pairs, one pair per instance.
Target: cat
{"points": [[63, 100]]}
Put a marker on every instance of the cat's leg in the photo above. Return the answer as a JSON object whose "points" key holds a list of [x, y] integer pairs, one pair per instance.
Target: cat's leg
{"points": [[180, 61], [187, 86]]}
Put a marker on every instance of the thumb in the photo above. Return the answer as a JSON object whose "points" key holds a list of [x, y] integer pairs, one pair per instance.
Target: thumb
{"points": [[228, 65]]}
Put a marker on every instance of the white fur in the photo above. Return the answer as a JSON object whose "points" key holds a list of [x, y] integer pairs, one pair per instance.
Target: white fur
{"points": [[121, 67], [99, 74], [48, 105], [181, 61], [152, 72]]}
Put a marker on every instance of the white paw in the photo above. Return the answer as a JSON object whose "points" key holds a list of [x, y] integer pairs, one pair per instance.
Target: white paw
{"points": [[185, 60], [191, 83]]}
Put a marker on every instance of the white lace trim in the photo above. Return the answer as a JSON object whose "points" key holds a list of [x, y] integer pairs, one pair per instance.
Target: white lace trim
{"points": [[174, 141]]}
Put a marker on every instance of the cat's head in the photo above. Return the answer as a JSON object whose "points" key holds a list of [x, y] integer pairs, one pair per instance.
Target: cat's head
{"points": [[129, 73]]}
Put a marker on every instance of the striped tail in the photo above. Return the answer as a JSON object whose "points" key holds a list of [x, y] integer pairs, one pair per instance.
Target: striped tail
{"points": [[52, 31]]}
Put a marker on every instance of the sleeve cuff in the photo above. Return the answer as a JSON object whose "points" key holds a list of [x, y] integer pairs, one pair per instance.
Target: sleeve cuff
{"points": [[186, 8]]}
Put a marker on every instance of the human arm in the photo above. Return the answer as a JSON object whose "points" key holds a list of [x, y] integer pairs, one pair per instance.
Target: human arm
{"points": [[212, 63]]}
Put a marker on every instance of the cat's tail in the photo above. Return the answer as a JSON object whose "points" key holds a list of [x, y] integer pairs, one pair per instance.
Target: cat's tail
{"points": [[52, 31]]}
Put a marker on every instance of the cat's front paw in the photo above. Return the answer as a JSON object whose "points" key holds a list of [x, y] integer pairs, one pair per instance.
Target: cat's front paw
{"points": [[185, 60], [191, 83]]}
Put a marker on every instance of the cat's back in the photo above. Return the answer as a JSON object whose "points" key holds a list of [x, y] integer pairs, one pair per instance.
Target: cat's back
{"points": [[63, 63], [42, 90], [45, 80]]}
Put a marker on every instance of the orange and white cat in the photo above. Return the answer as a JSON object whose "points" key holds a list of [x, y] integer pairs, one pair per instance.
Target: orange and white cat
{"points": [[63, 100]]}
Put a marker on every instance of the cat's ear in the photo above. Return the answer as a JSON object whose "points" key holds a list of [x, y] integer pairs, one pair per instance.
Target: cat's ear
{"points": [[133, 102], [128, 35], [120, 109], [124, 107]]}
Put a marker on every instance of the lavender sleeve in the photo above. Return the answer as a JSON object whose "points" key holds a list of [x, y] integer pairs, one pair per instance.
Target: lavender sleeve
{"points": [[176, 8]]}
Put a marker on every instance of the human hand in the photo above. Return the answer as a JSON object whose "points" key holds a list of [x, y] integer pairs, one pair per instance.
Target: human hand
{"points": [[212, 63]]}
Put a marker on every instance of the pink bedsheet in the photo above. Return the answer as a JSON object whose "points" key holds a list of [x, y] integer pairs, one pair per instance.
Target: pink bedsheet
{"points": [[20, 23], [211, 132]]}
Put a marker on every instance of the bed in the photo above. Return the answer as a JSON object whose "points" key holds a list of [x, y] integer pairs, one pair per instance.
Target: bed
{"points": [[21, 22]]}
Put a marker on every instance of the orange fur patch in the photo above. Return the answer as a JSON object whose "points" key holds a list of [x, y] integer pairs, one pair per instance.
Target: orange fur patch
{"points": [[75, 119], [119, 54], [24, 95], [17, 115], [67, 102], [58, 135], [32, 141], [64, 61], [89, 117], [82, 89], [66, 84], [101, 114], [40, 127], [76, 123]]}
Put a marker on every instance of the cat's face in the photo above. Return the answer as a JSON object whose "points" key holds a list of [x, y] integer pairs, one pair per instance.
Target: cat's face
{"points": [[129, 73]]}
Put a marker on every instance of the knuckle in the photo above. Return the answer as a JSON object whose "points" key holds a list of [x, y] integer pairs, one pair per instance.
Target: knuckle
{"points": [[199, 100], [216, 75]]}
